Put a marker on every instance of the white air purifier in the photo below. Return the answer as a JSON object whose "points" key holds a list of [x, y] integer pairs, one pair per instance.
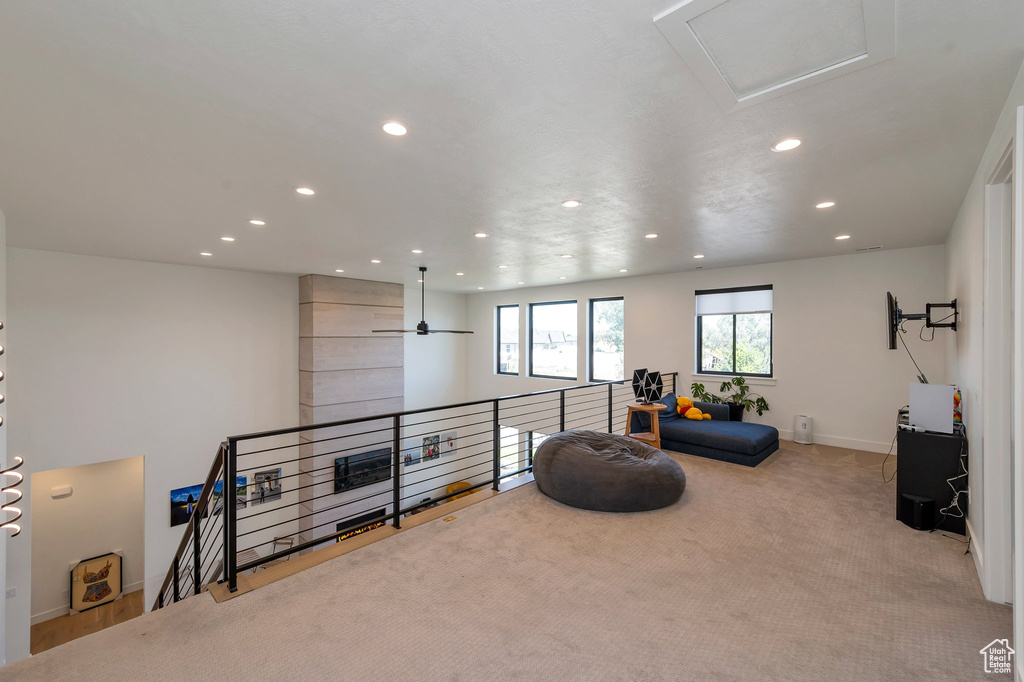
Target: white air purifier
{"points": [[803, 429]]}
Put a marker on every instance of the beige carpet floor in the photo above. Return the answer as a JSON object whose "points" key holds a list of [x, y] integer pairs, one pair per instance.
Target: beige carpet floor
{"points": [[794, 570]]}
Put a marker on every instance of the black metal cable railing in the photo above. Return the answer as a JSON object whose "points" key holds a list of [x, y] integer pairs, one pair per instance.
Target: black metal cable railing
{"points": [[300, 488]]}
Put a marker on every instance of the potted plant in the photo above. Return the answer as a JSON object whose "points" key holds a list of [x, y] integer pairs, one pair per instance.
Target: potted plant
{"points": [[737, 396]]}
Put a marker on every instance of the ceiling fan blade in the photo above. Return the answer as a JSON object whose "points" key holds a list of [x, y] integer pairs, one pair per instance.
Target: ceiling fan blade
{"points": [[447, 331], [393, 331]]}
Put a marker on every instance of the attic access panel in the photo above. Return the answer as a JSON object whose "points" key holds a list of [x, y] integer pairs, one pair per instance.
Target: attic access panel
{"points": [[748, 51]]}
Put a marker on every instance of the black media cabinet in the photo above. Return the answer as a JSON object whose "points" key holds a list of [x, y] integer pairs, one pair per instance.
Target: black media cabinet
{"points": [[925, 461]]}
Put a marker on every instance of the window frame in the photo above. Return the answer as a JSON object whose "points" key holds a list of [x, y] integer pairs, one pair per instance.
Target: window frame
{"points": [[771, 335], [529, 332], [590, 336], [497, 344]]}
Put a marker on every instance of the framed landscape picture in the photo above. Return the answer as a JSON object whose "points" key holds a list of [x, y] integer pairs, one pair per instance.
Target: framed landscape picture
{"points": [[95, 581]]}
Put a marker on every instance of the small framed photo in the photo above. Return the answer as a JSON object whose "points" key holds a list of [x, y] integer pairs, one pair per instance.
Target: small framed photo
{"points": [[449, 443], [266, 486], [431, 448]]}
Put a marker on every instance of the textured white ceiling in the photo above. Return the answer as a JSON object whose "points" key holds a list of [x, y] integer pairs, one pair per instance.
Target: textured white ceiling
{"points": [[149, 129], [757, 44]]}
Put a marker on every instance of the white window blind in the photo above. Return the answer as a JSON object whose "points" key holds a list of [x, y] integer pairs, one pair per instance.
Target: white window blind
{"points": [[734, 301]]}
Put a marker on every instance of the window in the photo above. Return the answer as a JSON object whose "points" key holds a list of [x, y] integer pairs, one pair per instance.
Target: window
{"points": [[553, 340], [607, 339], [734, 331], [508, 339]]}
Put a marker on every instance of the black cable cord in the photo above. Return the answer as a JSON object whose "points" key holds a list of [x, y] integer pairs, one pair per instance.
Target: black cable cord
{"points": [[907, 348], [891, 446], [887, 455], [924, 326]]}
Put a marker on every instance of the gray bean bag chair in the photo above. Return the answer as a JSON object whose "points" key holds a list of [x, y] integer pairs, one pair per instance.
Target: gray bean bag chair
{"points": [[606, 472]]}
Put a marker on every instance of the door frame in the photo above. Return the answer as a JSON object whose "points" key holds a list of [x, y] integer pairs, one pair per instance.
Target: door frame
{"points": [[993, 558]]}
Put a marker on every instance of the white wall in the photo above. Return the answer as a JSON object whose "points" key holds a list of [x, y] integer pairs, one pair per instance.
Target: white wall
{"points": [[830, 355], [105, 512], [3, 429], [435, 366], [966, 269], [119, 358]]}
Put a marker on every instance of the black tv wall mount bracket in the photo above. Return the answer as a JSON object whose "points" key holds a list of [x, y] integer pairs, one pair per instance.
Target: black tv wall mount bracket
{"points": [[927, 315]]}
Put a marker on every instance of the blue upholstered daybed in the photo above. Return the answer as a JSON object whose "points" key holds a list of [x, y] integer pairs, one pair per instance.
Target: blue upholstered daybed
{"points": [[716, 438]]}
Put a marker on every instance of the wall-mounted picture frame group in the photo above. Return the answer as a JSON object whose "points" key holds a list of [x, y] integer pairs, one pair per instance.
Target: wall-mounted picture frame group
{"points": [[184, 500]]}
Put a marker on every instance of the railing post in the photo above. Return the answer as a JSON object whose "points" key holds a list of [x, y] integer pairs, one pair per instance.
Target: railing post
{"points": [[561, 410], [610, 408], [177, 596], [497, 449], [529, 449], [197, 561], [396, 448], [230, 531]]}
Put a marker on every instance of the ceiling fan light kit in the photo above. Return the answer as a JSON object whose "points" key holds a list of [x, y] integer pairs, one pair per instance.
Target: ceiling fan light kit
{"points": [[422, 328]]}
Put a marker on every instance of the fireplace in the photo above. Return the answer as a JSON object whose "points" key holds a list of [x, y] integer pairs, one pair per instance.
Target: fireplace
{"points": [[362, 524]]}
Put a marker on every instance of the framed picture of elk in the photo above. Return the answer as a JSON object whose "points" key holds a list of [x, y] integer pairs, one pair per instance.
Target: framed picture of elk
{"points": [[95, 581]]}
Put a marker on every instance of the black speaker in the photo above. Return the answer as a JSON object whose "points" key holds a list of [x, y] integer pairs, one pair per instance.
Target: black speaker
{"points": [[917, 512]]}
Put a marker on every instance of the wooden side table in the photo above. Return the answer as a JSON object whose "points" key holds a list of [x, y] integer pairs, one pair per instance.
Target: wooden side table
{"points": [[652, 437]]}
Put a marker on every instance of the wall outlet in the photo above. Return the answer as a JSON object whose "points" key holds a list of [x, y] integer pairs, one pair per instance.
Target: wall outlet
{"points": [[12, 592]]}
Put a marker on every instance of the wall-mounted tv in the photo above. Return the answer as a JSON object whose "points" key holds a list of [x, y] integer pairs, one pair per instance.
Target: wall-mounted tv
{"points": [[892, 319], [365, 468]]}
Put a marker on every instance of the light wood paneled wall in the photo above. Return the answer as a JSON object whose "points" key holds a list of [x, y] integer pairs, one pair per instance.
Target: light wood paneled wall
{"points": [[346, 371]]}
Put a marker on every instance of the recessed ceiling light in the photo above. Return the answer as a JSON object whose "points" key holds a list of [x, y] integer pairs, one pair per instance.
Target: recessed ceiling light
{"points": [[305, 191], [459, 274], [227, 239], [572, 203], [698, 255], [394, 128], [520, 282], [479, 235], [374, 261], [417, 250], [826, 204], [479, 287], [563, 277], [419, 281], [650, 235], [786, 145], [842, 237], [623, 270], [257, 222], [339, 270], [566, 255], [205, 253], [502, 267]]}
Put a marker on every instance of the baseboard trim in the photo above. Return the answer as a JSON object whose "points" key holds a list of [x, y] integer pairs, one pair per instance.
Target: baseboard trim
{"points": [[64, 610], [841, 442], [977, 553]]}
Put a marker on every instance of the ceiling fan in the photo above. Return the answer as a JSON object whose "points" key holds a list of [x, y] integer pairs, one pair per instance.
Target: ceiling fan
{"points": [[422, 328]]}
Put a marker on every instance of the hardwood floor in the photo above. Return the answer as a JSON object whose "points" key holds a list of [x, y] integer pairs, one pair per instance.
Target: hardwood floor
{"points": [[57, 631]]}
